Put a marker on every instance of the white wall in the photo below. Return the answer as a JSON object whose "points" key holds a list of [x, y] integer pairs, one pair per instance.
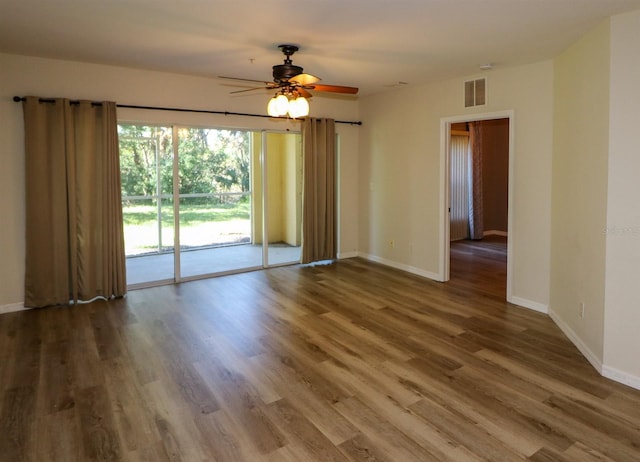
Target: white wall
{"points": [[581, 148], [400, 190], [622, 296], [596, 217], [21, 76]]}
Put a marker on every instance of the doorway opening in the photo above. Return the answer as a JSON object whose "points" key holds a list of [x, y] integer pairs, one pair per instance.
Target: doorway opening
{"points": [[477, 163]]}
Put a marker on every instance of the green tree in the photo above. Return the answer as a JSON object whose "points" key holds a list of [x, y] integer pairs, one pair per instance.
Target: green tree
{"points": [[209, 161], [140, 149]]}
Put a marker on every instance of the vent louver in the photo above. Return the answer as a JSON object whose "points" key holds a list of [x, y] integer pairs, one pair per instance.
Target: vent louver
{"points": [[475, 92]]}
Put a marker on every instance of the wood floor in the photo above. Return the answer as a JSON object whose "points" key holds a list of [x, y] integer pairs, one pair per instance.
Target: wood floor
{"points": [[345, 362]]}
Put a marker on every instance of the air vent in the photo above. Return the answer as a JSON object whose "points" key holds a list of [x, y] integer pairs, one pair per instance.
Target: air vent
{"points": [[475, 92]]}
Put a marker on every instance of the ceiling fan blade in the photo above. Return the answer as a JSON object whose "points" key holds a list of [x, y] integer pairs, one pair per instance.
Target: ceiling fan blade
{"points": [[247, 89], [246, 80], [304, 79], [333, 88], [302, 92]]}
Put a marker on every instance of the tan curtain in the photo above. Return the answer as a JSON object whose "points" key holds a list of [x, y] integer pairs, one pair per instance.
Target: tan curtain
{"points": [[319, 240], [74, 235], [476, 225]]}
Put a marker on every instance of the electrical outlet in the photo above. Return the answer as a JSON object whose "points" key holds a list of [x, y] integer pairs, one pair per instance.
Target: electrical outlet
{"points": [[392, 243], [581, 313]]}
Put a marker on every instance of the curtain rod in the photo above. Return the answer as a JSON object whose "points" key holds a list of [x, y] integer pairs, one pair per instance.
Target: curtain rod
{"points": [[18, 99]]}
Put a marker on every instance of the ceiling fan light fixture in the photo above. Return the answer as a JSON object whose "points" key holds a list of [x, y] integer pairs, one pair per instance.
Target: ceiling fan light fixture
{"points": [[271, 107], [278, 106], [298, 107]]}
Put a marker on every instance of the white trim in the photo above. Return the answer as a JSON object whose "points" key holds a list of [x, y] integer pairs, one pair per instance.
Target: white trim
{"points": [[445, 135], [495, 232], [264, 202], [621, 376], [175, 194], [606, 371], [343, 255], [577, 341], [445, 200], [402, 266], [535, 306], [12, 307]]}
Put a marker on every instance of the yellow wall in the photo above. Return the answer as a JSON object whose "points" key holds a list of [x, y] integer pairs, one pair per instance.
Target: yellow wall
{"points": [[284, 188], [581, 149], [276, 158], [292, 190]]}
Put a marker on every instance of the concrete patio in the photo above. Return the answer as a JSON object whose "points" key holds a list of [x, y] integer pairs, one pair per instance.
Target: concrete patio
{"points": [[146, 269]]}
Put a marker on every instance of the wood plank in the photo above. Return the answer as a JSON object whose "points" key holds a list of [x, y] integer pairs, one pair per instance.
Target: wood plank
{"points": [[243, 405], [55, 387], [303, 395], [133, 419], [99, 434], [225, 441], [58, 437], [180, 437], [299, 430], [390, 441], [466, 433], [360, 448], [17, 422]]}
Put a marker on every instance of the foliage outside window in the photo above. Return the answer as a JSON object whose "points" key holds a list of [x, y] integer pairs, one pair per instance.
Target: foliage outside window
{"points": [[214, 186]]}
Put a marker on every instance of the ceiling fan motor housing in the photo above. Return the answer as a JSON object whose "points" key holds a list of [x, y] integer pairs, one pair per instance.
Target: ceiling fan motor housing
{"points": [[283, 72]]}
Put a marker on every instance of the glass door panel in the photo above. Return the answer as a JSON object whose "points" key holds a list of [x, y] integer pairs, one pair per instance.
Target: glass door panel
{"points": [[215, 202], [146, 166]]}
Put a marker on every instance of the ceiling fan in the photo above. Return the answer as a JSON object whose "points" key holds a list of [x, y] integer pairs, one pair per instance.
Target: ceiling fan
{"points": [[292, 87]]}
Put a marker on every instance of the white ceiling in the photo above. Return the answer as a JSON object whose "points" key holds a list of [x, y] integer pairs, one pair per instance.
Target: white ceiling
{"points": [[371, 44]]}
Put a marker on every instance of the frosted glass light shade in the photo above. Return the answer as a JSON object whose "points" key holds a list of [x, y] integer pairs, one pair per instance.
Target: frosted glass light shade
{"points": [[278, 106], [271, 107], [298, 107], [282, 104]]}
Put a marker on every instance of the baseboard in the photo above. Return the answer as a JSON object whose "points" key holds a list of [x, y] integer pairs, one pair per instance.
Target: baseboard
{"points": [[402, 266], [577, 341], [535, 306], [620, 376], [11, 307], [495, 232], [604, 370], [343, 255]]}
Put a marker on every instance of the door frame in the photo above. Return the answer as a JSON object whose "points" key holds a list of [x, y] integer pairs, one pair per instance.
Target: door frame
{"points": [[445, 200]]}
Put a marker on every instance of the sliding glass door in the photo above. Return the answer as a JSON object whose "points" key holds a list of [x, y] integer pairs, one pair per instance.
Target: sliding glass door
{"points": [[209, 208]]}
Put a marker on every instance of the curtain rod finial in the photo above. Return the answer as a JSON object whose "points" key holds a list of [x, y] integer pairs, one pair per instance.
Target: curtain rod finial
{"points": [[17, 99]]}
